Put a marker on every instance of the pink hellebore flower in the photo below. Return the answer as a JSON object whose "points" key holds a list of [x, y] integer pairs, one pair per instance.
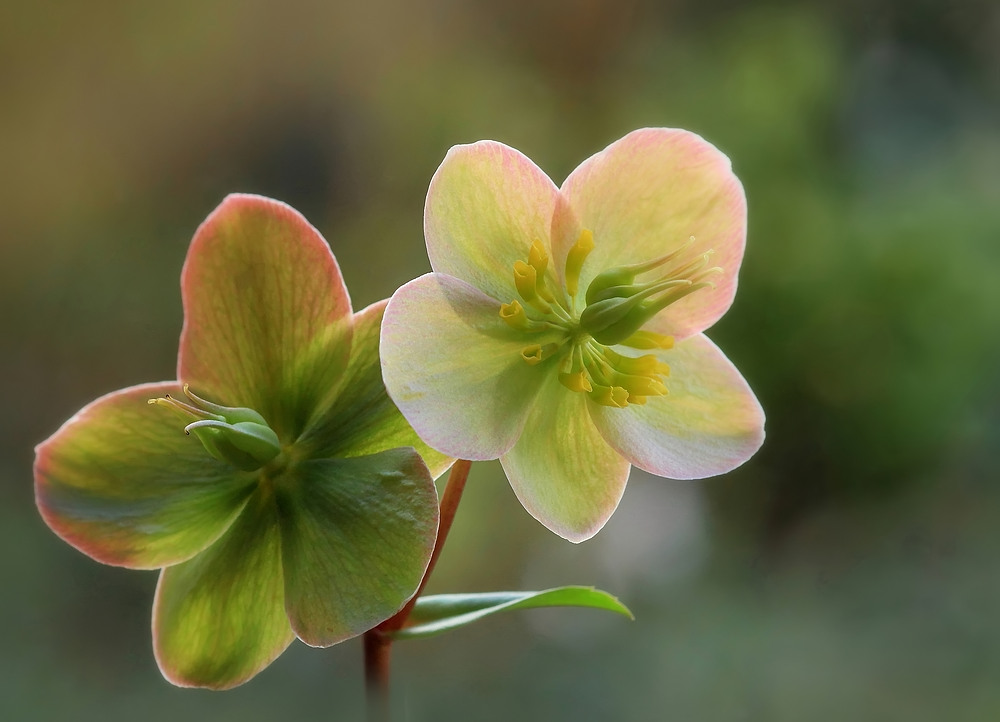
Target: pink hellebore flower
{"points": [[287, 509], [561, 330]]}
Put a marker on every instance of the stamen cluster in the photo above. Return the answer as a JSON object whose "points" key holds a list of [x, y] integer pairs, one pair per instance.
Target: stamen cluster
{"points": [[615, 310]]}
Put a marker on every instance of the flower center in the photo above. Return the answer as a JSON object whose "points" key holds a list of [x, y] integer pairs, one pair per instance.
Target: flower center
{"points": [[617, 306], [233, 434]]}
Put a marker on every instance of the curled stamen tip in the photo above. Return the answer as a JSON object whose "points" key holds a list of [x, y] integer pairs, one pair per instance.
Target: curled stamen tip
{"points": [[614, 396], [513, 314], [535, 353], [537, 255]]}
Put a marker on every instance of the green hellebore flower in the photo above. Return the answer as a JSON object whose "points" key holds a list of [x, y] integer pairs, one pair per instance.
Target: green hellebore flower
{"points": [[561, 330], [293, 512]]}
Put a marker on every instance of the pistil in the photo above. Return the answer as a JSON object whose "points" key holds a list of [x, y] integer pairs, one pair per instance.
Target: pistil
{"points": [[234, 434]]}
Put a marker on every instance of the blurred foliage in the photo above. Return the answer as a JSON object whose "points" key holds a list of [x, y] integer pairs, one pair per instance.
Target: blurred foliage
{"points": [[846, 571]]}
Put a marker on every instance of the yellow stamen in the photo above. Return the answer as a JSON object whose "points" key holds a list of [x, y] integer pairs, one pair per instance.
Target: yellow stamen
{"points": [[646, 340], [525, 278], [576, 381], [614, 396], [538, 259], [535, 354], [513, 315], [640, 385], [647, 365], [574, 260]]}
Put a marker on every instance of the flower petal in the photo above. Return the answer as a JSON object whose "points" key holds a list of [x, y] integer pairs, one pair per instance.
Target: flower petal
{"points": [[645, 195], [220, 618], [363, 420], [709, 424], [122, 483], [486, 204], [267, 318], [454, 368], [356, 537], [561, 469]]}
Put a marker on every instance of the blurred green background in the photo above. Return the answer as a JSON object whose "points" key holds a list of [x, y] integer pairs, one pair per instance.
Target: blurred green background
{"points": [[848, 571]]}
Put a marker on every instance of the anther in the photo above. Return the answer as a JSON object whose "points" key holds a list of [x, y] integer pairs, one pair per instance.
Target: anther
{"points": [[575, 258], [535, 353]]}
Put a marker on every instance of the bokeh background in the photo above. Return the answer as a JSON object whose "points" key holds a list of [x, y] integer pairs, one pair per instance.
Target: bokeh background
{"points": [[848, 571]]}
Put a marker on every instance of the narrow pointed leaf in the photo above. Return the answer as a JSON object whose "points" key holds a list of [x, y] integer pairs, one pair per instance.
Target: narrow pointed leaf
{"points": [[442, 612]]}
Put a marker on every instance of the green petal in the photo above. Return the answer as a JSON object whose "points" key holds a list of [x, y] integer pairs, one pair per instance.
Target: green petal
{"points": [[357, 535], [708, 424], [443, 612], [122, 483], [363, 419], [220, 618], [267, 318], [454, 368], [485, 205], [645, 195], [561, 469]]}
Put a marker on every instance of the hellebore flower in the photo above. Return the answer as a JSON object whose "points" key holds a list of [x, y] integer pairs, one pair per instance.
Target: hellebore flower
{"points": [[561, 329], [288, 508]]}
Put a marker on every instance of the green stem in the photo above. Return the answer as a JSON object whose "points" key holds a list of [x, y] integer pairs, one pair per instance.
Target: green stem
{"points": [[377, 642]]}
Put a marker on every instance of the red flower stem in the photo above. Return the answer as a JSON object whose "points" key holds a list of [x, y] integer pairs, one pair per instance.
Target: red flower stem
{"points": [[449, 505], [377, 642], [377, 647]]}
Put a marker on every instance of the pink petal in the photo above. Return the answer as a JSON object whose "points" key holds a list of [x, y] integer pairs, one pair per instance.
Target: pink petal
{"points": [[267, 318], [645, 195]]}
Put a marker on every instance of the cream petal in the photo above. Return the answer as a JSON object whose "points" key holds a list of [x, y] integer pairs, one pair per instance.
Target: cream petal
{"points": [[561, 469], [485, 206], [708, 424], [454, 368]]}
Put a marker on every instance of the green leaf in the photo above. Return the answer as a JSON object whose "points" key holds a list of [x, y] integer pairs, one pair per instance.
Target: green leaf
{"points": [[439, 613]]}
